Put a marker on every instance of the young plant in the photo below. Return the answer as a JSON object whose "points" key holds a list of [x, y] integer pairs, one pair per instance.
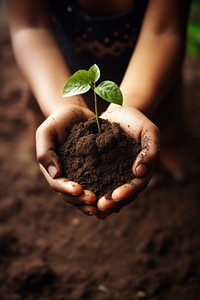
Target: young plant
{"points": [[82, 81]]}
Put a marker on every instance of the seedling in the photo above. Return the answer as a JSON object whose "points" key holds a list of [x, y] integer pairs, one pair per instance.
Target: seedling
{"points": [[82, 81]]}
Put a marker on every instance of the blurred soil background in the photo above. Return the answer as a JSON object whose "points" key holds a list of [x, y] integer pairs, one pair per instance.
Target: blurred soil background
{"points": [[50, 251]]}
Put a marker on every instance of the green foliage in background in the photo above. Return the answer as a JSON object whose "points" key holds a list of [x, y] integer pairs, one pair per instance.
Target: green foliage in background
{"points": [[193, 30]]}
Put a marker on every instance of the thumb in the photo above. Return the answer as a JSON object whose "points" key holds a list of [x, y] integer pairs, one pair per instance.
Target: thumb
{"points": [[46, 142], [148, 157]]}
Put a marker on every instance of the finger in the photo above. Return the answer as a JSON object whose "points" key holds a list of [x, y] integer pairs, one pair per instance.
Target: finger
{"points": [[106, 213], [90, 210], [114, 209], [102, 215], [148, 157], [128, 190], [63, 185], [87, 197], [105, 204], [71, 191], [46, 141]]}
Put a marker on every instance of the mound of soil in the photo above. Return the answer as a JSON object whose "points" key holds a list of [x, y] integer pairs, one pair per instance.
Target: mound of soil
{"points": [[86, 155]]}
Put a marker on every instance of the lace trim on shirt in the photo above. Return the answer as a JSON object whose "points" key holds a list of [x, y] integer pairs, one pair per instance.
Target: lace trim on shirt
{"points": [[99, 49]]}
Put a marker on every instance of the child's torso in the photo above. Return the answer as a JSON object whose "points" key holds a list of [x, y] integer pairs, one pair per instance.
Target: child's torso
{"points": [[104, 32], [104, 28]]}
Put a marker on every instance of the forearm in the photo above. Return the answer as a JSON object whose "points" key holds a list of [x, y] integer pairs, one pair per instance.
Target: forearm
{"points": [[43, 66], [158, 55], [152, 71]]}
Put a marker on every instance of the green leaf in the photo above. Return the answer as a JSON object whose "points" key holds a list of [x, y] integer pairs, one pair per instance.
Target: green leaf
{"points": [[94, 73], [109, 91], [78, 83]]}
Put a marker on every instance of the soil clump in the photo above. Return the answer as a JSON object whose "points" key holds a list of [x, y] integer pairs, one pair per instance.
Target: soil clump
{"points": [[99, 162]]}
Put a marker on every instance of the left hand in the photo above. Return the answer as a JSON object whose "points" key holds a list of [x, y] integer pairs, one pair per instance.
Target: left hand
{"points": [[137, 125]]}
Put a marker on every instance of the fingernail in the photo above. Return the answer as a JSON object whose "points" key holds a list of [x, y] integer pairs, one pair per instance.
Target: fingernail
{"points": [[52, 170], [141, 170]]}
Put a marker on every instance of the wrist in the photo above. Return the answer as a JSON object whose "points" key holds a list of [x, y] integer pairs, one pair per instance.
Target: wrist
{"points": [[51, 105], [136, 103], [140, 101]]}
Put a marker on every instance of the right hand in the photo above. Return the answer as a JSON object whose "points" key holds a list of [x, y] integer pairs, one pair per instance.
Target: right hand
{"points": [[49, 135]]}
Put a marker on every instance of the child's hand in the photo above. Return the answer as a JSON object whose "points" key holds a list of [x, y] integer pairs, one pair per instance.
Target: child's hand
{"points": [[49, 135], [54, 131], [142, 129]]}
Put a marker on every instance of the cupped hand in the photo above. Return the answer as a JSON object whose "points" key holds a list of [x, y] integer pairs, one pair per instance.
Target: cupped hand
{"points": [[54, 131], [51, 133], [137, 125]]}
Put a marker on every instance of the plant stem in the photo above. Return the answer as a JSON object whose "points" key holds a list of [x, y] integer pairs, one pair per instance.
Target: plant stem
{"points": [[96, 108]]}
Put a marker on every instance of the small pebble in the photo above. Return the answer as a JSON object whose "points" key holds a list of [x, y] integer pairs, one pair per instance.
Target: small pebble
{"points": [[76, 221], [103, 289], [141, 295]]}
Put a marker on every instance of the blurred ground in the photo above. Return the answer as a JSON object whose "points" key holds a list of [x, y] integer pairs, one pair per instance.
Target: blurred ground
{"points": [[50, 251]]}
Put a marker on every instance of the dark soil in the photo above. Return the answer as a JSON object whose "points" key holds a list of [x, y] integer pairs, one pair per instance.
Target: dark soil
{"points": [[51, 251], [102, 161]]}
